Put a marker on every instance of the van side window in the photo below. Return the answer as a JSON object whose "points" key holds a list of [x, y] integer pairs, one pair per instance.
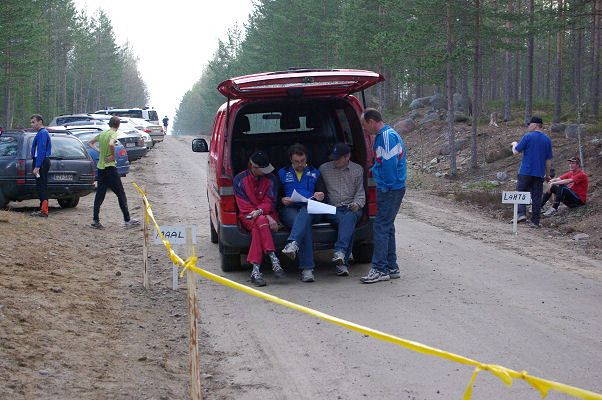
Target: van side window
{"points": [[8, 146], [345, 126]]}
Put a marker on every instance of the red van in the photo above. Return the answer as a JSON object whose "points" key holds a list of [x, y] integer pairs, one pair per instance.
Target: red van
{"points": [[271, 111]]}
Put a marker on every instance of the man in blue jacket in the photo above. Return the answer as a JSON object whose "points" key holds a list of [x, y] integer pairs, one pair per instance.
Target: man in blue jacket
{"points": [[535, 167], [41, 148], [389, 172], [302, 178]]}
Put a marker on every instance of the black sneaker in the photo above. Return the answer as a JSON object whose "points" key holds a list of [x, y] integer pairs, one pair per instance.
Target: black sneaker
{"points": [[96, 225], [257, 279], [342, 270]]}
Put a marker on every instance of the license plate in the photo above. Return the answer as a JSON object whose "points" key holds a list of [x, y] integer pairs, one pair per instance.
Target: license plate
{"points": [[62, 177], [130, 144]]}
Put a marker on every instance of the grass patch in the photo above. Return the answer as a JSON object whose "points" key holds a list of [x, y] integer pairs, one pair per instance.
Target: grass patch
{"points": [[481, 185]]}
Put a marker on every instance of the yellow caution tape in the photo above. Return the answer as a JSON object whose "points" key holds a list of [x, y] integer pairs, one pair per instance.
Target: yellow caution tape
{"points": [[506, 375]]}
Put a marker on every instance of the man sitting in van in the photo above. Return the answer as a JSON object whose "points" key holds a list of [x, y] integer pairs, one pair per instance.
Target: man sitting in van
{"points": [[343, 181], [302, 178], [255, 190]]}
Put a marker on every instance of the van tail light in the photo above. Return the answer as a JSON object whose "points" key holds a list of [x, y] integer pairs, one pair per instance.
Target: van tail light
{"points": [[371, 195], [228, 210], [20, 172]]}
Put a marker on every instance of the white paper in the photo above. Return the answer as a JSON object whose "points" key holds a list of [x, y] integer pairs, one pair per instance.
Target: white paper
{"points": [[297, 198], [315, 207]]}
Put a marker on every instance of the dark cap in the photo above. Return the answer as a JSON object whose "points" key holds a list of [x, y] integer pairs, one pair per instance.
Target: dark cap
{"points": [[260, 160], [340, 150], [575, 159], [536, 120]]}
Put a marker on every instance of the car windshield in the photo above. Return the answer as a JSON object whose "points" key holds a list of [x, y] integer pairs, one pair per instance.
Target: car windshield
{"points": [[8, 146], [86, 136], [66, 148]]}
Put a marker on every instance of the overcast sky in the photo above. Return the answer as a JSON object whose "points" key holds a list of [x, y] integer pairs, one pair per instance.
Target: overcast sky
{"points": [[174, 39]]}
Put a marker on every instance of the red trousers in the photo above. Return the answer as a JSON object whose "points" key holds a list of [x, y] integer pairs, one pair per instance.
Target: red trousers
{"points": [[261, 238]]}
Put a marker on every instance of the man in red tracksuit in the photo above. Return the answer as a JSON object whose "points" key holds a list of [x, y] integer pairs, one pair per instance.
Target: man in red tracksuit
{"points": [[255, 191]]}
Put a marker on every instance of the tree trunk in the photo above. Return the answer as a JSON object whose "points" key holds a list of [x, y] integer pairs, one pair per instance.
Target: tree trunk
{"points": [[559, 49], [475, 87], [508, 72], [595, 78], [450, 91], [529, 85]]}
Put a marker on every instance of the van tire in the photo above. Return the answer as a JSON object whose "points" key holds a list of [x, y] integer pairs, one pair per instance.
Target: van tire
{"points": [[68, 203], [362, 252], [3, 200], [229, 262], [214, 238]]}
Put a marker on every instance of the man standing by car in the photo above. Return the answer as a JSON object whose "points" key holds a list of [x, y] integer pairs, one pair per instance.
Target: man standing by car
{"points": [[389, 172], [302, 178], [108, 177], [255, 191], [41, 148], [165, 122], [536, 147], [343, 182]]}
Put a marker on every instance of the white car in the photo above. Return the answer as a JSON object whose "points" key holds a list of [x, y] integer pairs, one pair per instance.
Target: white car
{"points": [[128, 126], [155, 130]]}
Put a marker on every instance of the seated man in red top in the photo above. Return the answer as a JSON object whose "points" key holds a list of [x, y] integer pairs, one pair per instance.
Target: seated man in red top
{"points": [[570, 188], [255, 190]]}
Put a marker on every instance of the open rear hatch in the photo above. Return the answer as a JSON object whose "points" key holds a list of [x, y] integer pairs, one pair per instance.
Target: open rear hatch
{"points": [[298, 83]]}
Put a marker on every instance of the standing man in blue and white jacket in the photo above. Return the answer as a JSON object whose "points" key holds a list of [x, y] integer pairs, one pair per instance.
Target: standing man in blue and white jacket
{"points": [[41, 148], [389, 172]]}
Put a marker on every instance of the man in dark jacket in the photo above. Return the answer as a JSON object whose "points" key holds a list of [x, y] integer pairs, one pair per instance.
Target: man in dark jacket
{"points": [[41, 148]]}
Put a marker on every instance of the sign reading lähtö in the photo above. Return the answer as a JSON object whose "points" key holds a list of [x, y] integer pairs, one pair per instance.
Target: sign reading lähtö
{"points": [[516, 197], [175, 235]]}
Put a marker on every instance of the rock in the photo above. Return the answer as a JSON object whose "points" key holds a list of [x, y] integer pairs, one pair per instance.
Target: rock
{"points": [[57, 289], [434, 161], [581, 236], [430, 117], [416, 103], [557, 127], [572, 131], [458, 144], [143, 358], [595, 140], [502, 176], [405, 126], [495, 183], [51, 253], [117, 273], [462, 103], [414, 115], [439, 174], [438, 102], [43, 372], [207, 376], [459, 116]]}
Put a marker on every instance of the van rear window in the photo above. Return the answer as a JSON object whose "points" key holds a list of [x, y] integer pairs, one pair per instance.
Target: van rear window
{"points": [[8, 146], [274, 122]]}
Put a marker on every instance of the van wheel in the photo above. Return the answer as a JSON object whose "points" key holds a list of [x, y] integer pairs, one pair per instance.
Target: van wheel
{"points": [[3, 200], [229, 262], [214, 237], [68, 203], [362, 252]]}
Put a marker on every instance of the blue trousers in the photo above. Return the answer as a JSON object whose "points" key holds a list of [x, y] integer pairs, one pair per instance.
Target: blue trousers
{"points": [[533, 184], [384, 257], [296, 218], [345, 219]]}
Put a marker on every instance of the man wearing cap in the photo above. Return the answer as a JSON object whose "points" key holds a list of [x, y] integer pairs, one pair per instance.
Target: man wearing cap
{"points": [[570, 188], [389, 172], [343, 182], [255, 190], [300, 177], [536, 147]]}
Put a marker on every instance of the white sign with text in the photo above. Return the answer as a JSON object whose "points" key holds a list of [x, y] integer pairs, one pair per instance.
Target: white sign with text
{"points": [[175, 235], [516, 197]]}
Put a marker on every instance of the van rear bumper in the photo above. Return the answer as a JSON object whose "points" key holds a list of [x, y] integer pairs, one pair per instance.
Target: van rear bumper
{"points": [[235, 239]]}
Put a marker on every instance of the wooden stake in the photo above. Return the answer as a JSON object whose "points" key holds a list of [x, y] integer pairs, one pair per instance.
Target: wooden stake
{"points": [[193, 315], [145, 246], [174, 277]]}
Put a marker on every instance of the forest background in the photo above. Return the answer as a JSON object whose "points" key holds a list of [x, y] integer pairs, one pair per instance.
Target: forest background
{"points": [[505, 56], [55, 60]]}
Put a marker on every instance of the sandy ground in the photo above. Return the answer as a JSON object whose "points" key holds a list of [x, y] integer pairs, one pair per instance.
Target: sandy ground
{"points": [[76, 323]]}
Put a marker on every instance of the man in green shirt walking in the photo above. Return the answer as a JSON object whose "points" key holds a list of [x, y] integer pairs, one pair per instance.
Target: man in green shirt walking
{"points": [[108, 177]]}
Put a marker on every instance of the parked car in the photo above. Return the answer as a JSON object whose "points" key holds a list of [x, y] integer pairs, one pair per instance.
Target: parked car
{"points": [[271, 111], [121, 155], [145, 113], [71, 119], [154, 130], [131, 140], [71, 174], [128, 126]]}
